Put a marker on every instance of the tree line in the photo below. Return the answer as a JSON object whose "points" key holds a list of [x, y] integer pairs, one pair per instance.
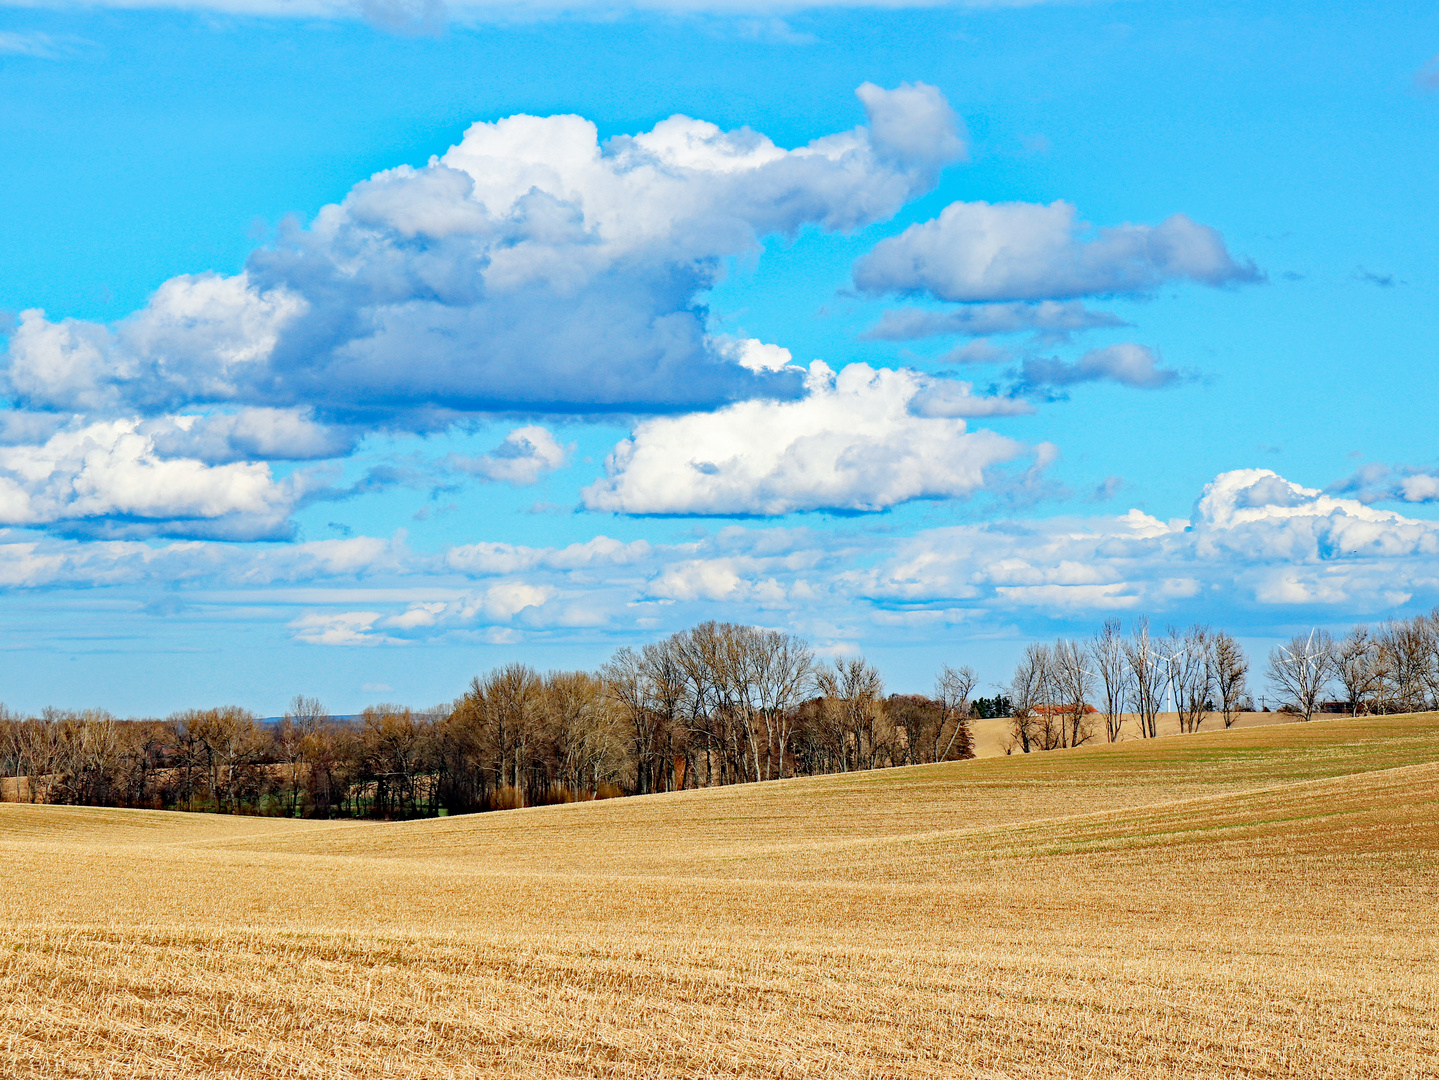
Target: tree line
{"points": [[716, 704], [1073, 692]]}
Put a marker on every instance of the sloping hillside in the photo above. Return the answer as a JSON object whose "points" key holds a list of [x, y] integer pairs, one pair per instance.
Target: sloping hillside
{"points": [[1256, 902]]}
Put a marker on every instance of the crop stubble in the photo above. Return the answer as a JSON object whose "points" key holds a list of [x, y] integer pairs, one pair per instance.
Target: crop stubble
{"points": [[1253, 903]]}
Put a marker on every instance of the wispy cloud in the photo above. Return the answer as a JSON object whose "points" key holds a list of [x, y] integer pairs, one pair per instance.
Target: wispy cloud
{"points": [[1026, 251], [1256, 548], [43, 46], [1427, 77], [1384, 281]]}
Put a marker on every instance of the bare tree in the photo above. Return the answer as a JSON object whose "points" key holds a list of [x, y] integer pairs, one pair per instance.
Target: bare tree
{"points": [[952, 690], [584, 735], [1073, 681], [1030, 691], [778, 669], [1106, 649], [1302, 669], [1231, 669], [1361, 667], [649, 688], [393, 741], [853, 689], [294, 740], [1408, 660], [1147, 674], [1193, 668]]}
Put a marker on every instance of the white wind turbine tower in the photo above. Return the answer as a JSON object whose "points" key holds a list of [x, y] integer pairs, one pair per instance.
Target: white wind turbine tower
{"points": [[1169, 660]]}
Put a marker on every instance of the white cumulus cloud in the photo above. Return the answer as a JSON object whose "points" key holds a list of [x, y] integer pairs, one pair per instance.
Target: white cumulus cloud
{"points": [[523, 457], [854, 442], [112, 470], [529, 268]]}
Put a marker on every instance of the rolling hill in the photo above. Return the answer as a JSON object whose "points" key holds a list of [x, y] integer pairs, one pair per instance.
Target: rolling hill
{"points": [[1257, 903]]}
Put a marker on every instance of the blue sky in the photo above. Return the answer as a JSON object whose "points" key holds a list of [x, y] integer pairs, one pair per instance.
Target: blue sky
{"points": [[502, 406]]}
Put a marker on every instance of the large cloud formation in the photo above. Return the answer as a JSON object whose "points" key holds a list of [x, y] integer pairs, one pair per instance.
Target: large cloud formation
{"points": [[528, 268]]}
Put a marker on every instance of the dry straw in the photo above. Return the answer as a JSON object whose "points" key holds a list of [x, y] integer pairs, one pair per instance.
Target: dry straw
{"points": [[1251, 903]]}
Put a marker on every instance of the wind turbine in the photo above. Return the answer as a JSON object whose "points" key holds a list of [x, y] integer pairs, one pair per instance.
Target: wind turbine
{"points": [[1169, 660], [1310, 668]]}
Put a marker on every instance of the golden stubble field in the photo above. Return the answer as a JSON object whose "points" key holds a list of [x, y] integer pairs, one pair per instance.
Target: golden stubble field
{"points": [[1262, 902]]}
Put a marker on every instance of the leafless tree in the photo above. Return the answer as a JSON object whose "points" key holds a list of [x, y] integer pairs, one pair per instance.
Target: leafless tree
{"points": [[853, 691], [1302, 669], [224, 746], [952, 690], [1193, 671], [584, 732], [777, 670], [1231, 670], [1361, 667], [295, 742], [647, 687], [1074, 681], [1407, 647], [511, 696], [1147, 674], [1106, 650], [393, 741], [1030, 691]]}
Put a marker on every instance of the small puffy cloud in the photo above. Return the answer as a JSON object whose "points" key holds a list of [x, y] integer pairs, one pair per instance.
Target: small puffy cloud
{"points": [[913, 125], [1419, 487], [725, 580], [754, 354], [1051, 318], [499, 604], [526, 454], [1024, 251], [863, 440], [112, 470], [341, 628], [529, 268], [1129, 365]]}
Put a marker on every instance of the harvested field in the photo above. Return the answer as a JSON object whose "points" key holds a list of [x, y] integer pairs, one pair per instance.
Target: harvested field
{"points": [[1253, 903]]}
